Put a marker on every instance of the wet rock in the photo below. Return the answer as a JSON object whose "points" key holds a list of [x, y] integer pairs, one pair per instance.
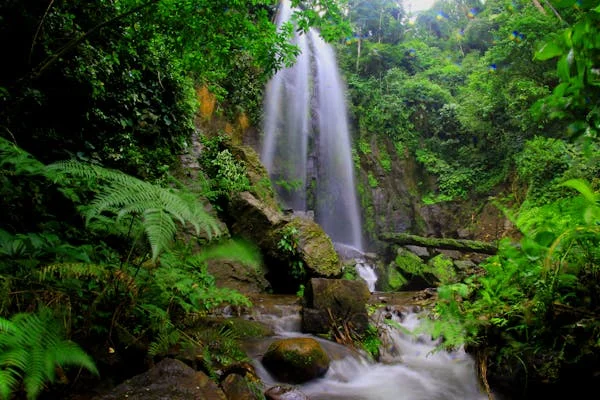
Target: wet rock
{"points": [[169, 379], [296, 360], [265, 225], [408, 272], [335, 301], [315, 248], [284, 393], [465, 265], [419, 251], [238, 387], [236, 275]]}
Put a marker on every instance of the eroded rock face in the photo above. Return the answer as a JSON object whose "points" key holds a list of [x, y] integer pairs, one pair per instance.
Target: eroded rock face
{"points": [[296, 360], [343, 300], [169, 379]]}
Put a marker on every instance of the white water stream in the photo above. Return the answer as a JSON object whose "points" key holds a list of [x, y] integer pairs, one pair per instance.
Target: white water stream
{"points": [[411, 371]]}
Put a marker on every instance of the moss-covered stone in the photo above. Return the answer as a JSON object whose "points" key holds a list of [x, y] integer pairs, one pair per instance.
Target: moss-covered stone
{"points": [[411, 269], [442, 267], [257, 174], [316, 249], [395, 279], [330, 303], [296, 360]]}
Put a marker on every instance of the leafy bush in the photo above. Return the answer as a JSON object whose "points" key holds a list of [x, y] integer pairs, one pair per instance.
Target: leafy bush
{"points": [[533, 290]]}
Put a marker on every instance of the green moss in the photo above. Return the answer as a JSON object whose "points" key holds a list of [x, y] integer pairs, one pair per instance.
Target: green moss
{"points": [[349, 272], [372, 180], [244, 329], [385, 160], [363, 146], [395, 279], [319, 254], [442, 268], [411, 263]]}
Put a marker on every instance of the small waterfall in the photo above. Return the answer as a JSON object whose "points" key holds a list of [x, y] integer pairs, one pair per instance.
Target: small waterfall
{"points": [[306, 144], [364, 269], [409, 368], [367, 273]]}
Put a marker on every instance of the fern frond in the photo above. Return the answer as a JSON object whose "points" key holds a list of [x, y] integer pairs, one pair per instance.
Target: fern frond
{"points": [[124, 195], [6, 328], [74, 270], [160, 230], [18, 160], [65, 353], [31, 347], [9, 379], [163, 342]]}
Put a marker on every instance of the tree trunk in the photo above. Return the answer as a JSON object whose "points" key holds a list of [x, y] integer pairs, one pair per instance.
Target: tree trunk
{"points": [[473, 246]]}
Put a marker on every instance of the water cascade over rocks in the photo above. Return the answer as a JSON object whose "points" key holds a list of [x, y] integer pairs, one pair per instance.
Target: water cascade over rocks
{"points": [[306, 144], [306, 149], [409, 368]]}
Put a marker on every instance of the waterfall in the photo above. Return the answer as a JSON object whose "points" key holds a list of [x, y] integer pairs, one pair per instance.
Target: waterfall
{"points": [[306, 144]]}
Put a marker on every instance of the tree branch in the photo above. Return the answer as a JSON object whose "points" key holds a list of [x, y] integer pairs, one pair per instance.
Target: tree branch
{"points": [[441, 243], [50, 60]]}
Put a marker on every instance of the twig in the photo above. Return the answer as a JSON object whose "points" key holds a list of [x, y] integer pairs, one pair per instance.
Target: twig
{"points": [[39, 28], [49, 61]]}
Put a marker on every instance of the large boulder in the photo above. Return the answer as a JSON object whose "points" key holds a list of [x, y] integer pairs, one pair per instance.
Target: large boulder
{"points": [[296, 360], [169, 379], [314, 248], [335, 302], [239, 276], [268, 226]]}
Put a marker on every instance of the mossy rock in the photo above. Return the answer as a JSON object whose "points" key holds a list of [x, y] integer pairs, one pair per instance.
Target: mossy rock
{"points": [[442, 267], [411, 269], [257, 174], [335, 302], [316, 249], [296, 360]]}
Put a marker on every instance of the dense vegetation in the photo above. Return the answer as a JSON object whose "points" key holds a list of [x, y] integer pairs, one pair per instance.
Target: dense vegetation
{"points": [[501, 94], [98, 100], [101, 231]]}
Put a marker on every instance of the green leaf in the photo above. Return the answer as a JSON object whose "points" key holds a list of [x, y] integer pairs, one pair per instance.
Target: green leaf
{"points": [[547, 51], [563, 3], [582, 187]]}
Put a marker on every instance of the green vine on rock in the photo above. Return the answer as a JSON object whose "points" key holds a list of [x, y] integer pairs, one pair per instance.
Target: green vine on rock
{"points": [[288, 244]]}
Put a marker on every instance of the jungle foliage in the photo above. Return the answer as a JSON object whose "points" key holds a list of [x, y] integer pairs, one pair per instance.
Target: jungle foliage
{"points": [[99, 242], [488, 94]]}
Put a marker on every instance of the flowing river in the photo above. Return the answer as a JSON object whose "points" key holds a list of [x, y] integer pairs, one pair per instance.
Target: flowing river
{"points": [[410, 369]]}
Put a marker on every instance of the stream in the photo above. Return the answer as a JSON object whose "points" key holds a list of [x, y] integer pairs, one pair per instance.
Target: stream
{"points": [[410, 369]]}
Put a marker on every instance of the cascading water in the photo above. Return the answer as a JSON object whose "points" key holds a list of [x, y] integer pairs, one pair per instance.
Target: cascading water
{"points": [[306, 144], [410, 369]]}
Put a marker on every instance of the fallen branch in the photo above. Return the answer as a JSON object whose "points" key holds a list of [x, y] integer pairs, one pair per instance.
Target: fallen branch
{"points": [[473, 246]]}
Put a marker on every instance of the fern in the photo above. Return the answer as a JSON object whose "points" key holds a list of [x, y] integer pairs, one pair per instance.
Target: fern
{"points": [[74, 270], [159, 208], [32, 346]]}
